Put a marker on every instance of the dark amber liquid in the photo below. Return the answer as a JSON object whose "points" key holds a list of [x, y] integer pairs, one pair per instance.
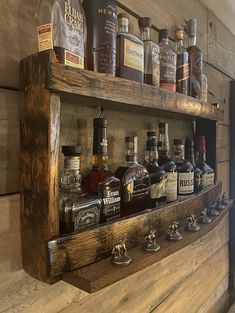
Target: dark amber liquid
{"points": [[195, 71]]}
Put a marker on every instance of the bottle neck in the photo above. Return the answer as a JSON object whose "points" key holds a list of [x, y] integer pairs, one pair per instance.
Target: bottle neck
{"points": [[163, 145], [100, 162], [192, 41], [123, 29], [189, 155], [131, 159], [145, 33], [179, 44], [179, 153], [202, 157], [151, 156], [71, 176]]}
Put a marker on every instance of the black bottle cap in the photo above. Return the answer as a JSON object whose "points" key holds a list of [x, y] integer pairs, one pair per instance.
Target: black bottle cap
{"points": [[152, 133], [71, 150], [179, 142], [163, 34], [163, 126], [144, 22], [100, 122], [192, 27]]}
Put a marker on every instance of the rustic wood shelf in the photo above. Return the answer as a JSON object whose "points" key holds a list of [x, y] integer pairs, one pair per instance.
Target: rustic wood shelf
{"points": [[115, 93], [94, 277]]}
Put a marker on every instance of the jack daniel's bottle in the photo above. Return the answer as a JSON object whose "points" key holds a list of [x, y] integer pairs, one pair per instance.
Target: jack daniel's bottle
{"points": [[62, 27]]}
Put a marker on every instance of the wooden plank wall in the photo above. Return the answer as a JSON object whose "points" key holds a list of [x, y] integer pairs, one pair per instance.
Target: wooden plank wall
{"points": [[162, 287]]}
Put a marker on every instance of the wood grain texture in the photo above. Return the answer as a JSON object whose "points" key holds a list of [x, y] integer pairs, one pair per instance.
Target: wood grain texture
{"points": [[223, 175], [222, 143], [67, 253]]}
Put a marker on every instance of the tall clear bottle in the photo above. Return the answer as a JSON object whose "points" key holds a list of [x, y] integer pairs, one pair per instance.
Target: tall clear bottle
{"points": [[195, 61], [61, 26], [135, 181], [167, 62], [151, 53]]}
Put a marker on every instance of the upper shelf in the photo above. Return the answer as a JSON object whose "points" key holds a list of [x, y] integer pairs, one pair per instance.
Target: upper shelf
{"points": [[115, 93]]}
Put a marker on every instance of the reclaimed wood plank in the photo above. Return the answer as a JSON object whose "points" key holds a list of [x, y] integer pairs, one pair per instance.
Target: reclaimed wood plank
{"points": [[222, 143], [223, 175]]}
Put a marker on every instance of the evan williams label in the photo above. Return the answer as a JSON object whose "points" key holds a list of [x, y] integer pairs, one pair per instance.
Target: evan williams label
{"points": [[73, 18], [185, 183], [133, 55], [111, 204]]}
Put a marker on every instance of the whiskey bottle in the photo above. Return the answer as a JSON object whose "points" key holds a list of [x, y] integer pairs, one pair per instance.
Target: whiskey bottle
{"points": [[185, 169], [158, 177], [100, 180], [61, 26], [190, 156], [208, 174], [167, 164], [101, 35], [77, 210], [130, 52], [182, 67], [195, 61], [167, 62], [204, 88], [151, 53], [135, 181]]}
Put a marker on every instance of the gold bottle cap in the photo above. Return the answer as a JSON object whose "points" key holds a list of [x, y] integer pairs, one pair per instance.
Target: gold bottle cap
{"points": [[179, 34], [123, 20]]}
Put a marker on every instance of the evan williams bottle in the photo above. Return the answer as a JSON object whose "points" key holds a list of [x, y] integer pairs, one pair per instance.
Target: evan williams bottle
{"points": [[101, 35], [62, 27]]}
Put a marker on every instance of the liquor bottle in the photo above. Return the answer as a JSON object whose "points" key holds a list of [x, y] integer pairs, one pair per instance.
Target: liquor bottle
{"points": [[100, 180], [62, 27], [77, 210], [101, 35], [168, 164], [208, 174], [185, 169], [182, 67], [204, 89], [135, 181], [158, 177], [195, 61], [167, 62], [130, 52], [151, 53], [190, 156]]}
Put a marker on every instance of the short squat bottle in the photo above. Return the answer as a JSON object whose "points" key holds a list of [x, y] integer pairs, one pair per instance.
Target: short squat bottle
{"points": [[135, 181], [158, 177], [130, 52], [77, 209], [185, 169], [62, 27]]}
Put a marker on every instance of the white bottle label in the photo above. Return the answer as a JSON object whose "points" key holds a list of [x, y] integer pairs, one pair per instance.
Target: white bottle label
{"points": [[158, 190], [208, 180], [171, 187], [185, 183]]}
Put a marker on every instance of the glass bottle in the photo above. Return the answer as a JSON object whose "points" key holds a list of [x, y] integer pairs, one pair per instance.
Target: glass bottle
{"points": [[158, 177], [190, 156], [182, 71], [168, 164], [77, 210], [135, 181], [204, 89], [195, 61], [208, 174], [130, 52], [151, 53], [100, 180], [167, 62], [101, 35], [185, 169], [61, 26]]}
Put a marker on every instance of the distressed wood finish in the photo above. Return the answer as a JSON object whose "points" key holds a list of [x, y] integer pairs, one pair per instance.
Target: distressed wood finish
{"points": [[67, 253], [39, 161]]}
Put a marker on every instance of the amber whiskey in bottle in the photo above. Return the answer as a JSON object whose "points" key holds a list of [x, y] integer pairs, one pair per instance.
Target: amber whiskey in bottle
{"points": [[77, 210], [195, 61], [158, 177], [182, 67], [190, 156], [101, 35], [167, 163], [100, 180], [61, 26], [130, 52], [167, 62], [135, 181], [208, 174], [151, 53]]}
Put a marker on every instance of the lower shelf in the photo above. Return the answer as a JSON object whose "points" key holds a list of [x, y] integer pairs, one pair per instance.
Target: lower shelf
{"points": [[96, 276]]}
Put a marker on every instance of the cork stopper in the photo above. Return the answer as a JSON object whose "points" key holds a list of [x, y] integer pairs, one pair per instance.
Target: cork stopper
{"points": [[163, 34], [123, 22], [144, 22], [179, 34], [192, 27]]}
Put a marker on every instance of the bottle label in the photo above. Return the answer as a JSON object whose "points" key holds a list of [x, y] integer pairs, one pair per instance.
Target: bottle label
{"points": [[45, 41], [185, 183], [204, 91], [72, 59], [168, 71], [155, 65], [111, 203], [208, 180], [137, 191], [182, 73], [171, 186], [133, 55], [198, 182], [86, 218], [158, 190]]}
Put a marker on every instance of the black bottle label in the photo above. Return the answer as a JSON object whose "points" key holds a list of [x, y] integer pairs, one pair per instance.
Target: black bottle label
{"points": [[86, 218], [111, 204], [137, 191], [185, 183]]}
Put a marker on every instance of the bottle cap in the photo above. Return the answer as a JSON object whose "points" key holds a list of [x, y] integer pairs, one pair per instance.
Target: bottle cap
{"points": [[131, 145], [163, 126], [144, 22], [71, 150], [179, 34], [123, 20], [152, 133], [100, 122], [179, 142], [192, 27], [163, 34]]}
